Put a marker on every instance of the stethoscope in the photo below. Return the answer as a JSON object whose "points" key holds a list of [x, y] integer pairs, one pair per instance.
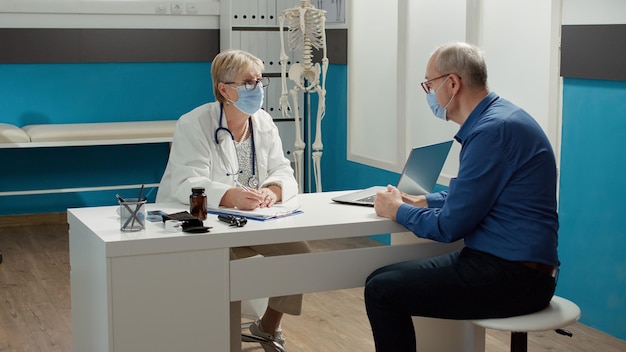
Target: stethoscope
{"points": [[252, 181]]}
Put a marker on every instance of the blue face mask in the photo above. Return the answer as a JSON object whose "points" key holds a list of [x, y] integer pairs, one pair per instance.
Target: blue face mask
{"points": [[438, 110], [250, 101]]}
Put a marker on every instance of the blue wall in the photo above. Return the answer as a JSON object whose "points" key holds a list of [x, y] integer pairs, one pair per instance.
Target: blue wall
{"points": [[592, 237], [65, 93], [107, 92]]}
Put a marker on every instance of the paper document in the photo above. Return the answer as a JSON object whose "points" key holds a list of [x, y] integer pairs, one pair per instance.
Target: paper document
{"points": [[279, 210]]}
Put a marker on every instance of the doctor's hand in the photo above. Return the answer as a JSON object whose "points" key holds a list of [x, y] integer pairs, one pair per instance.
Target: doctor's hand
{"points": [[386, 204], [269, 197], [242, 198]]}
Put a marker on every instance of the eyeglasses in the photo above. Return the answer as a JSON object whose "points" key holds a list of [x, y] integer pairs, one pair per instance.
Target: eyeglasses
{"points": [[251, 84], [426, 84]]}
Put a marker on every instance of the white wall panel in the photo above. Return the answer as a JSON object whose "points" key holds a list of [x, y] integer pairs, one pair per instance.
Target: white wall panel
{"points": [[387, 109], [520, 40], [423, 37], [372, 83]]}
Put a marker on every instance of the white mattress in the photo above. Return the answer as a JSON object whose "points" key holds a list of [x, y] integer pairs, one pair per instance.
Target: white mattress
{"points": [[100, 131], [12, 134]]}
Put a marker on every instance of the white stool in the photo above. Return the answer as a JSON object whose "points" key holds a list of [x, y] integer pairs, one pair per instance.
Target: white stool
{"points": [[560, 313]]}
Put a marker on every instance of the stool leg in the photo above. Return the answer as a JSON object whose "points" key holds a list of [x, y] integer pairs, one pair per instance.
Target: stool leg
{"points": [[519, 342]]}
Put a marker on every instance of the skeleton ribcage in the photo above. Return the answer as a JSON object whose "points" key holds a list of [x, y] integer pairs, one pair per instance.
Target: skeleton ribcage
{"points": [[309, 38]]}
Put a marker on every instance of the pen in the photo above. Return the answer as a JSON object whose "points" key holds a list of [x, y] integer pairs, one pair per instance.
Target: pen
{"points": [[242, 186], [134, 215], [123, 202]]}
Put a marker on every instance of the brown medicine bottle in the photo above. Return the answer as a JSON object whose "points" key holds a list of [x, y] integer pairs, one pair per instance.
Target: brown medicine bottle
{"points": [[197, 203]]}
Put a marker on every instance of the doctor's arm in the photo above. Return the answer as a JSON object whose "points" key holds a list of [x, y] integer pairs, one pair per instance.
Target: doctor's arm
{"points": [[191, 164], [280, 176]]}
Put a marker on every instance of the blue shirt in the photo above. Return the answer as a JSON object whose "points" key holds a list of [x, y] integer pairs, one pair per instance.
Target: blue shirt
{"points": [[503, 200]]}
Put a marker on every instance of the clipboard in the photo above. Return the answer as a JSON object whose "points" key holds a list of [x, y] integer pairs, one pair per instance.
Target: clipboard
{"points": [[252, 215], [275, 212]]}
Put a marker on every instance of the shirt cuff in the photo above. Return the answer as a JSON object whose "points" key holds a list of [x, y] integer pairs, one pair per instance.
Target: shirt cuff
{"points": [[435, 200]]}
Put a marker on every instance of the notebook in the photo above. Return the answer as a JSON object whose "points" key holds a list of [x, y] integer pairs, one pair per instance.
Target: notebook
{"points": [[419, 176]]}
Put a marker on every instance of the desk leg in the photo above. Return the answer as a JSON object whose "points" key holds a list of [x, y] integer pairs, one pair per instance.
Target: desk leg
{"points": [[171, 301], [235, 326], [434, 335]]}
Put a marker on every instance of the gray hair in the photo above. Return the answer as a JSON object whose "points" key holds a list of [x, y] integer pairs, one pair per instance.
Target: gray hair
{"points": [[465, 60]]}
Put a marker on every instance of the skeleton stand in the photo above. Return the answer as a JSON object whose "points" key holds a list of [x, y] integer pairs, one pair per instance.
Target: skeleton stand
{"points": [[306, 31]]}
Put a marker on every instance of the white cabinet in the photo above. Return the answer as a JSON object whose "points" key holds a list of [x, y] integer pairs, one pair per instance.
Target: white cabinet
{"points": [[146, 302]]}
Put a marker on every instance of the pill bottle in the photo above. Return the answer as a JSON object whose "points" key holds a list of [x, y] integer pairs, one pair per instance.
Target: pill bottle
{"points": [[197, 203]]}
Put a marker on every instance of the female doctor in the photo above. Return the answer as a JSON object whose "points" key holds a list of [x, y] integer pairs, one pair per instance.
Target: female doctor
{"points": [[232, 148]]}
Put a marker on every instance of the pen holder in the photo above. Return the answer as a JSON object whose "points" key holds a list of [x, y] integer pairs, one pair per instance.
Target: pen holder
{"points": [[132, 214]]}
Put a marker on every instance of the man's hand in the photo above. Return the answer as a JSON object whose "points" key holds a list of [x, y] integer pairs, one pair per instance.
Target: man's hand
{"points": [[387, 203], [416, 201]]}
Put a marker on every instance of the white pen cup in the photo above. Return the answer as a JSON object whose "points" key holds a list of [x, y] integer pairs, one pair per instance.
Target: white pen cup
{"points": [[132, 214]]}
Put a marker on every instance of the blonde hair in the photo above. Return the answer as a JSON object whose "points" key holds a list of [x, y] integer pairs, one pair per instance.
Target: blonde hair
{"points": [[228, 64]]}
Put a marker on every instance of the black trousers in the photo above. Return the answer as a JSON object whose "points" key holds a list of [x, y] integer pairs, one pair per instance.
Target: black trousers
{"points": [[467, 284]]}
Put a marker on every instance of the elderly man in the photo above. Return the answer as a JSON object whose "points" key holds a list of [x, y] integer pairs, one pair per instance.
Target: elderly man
{"points": [[502, 204]]}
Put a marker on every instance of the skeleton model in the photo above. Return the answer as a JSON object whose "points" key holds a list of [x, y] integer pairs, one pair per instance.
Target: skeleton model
{"points": [[306, 31]]}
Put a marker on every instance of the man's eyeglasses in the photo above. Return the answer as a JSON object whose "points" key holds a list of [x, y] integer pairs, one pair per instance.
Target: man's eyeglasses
{"points": [[250, 84], [426, 84]]}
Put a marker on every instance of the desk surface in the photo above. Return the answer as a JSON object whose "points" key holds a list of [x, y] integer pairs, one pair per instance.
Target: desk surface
{"points": [[321, 218]]}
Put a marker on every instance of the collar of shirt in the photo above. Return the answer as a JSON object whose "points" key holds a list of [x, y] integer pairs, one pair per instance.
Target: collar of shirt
{"points": [[474, 117]]}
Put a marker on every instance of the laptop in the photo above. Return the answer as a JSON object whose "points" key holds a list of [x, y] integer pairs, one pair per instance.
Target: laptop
{"points": [[419, 175]]}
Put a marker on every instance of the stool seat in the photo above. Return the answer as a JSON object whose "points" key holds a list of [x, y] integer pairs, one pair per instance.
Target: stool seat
{"points": [[560, 313]]}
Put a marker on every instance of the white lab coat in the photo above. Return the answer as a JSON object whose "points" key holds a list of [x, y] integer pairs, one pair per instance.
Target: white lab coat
{"points": [[195, 161]]}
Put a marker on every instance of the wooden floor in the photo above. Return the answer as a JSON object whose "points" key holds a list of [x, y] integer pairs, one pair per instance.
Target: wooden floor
{"points": [[35, 306]]}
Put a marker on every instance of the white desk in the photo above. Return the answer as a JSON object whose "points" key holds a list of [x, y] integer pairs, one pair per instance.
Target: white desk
{"points": [[159, 291]]}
